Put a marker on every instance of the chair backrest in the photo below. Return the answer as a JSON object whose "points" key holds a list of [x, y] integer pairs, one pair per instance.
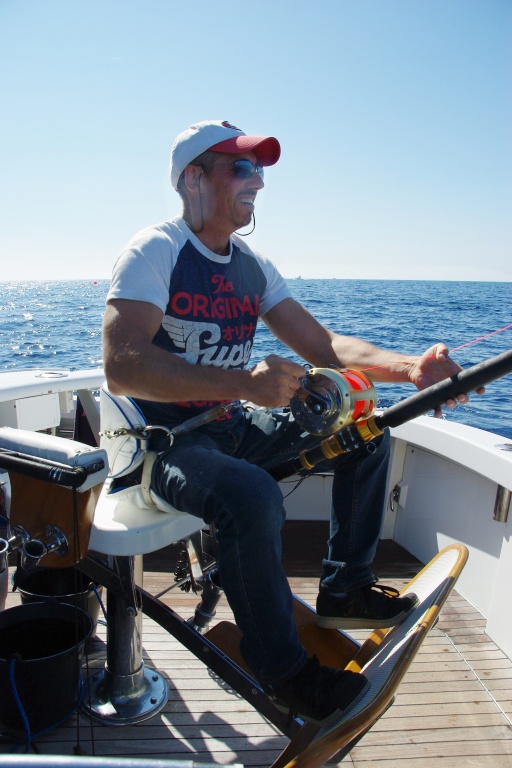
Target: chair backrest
{"points": [[117, 414]]}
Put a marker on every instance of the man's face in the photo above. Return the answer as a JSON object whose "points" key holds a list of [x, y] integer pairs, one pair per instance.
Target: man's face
{"points": [[228, 201]]}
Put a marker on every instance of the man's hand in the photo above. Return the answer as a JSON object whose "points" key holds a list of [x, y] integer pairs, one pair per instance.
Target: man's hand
{"points": [[436, 365], [274, 381]]}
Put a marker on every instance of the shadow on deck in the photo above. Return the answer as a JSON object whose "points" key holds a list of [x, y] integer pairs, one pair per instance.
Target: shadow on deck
{"points": [[454, 707]]}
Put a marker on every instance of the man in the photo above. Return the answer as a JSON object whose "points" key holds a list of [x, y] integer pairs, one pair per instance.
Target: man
{"points": [[179, 326]]}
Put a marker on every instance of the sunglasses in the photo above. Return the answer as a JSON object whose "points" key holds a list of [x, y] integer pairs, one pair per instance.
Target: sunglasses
{"points": [[244, 169]]}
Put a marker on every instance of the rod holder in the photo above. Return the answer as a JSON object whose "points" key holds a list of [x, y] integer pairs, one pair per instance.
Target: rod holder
{"points": [[34, 550], [502, 504], [18, 538]]}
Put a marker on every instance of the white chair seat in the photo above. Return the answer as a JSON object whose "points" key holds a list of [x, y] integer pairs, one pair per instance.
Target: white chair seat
{"points": [[124, 525]]}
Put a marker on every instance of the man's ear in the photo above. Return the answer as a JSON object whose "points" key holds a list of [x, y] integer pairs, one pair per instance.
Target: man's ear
{"points": [[193, 174]]}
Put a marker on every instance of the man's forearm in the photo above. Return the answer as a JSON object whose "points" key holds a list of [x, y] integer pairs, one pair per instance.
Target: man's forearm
{"points": [[155, 374], [379, 364]]}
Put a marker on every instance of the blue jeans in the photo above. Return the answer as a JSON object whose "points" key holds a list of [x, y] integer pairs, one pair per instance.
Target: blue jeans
{"points": [[222, 479]]}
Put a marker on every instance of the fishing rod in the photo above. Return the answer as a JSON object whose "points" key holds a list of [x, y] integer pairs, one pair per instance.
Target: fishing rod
{"points": [[339, 406]]}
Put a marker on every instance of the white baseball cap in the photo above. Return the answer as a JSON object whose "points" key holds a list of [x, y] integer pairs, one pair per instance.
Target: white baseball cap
{"points": [[219, 136]]}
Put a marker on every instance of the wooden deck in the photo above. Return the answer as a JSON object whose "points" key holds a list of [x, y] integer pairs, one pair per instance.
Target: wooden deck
{"points": [[454, 708]]}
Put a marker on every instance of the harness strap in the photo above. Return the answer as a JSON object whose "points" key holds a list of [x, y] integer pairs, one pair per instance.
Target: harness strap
{"points": [[145, 482], [202, 418], [187, 426], [142, 433]]}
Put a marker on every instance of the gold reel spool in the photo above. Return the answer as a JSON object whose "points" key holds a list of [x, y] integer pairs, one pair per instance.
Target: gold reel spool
{"points": [[330, 399]]}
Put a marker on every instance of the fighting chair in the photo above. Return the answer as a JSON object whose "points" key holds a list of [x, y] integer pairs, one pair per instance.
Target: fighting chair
{"points": [[130, 520]]}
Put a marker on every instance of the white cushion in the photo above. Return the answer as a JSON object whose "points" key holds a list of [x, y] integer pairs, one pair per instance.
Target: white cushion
{"points": [[57, 449]]}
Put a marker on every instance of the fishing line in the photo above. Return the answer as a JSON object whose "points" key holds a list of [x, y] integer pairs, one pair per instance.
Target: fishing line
{"points": [[454, 349], [480, 338]]}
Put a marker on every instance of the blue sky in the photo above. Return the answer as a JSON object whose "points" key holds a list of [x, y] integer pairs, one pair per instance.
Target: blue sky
{"points": [[394, 118]]}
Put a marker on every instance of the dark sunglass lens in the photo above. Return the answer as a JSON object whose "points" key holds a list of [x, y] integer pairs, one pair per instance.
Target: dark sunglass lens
{"points": [[244, 168]]}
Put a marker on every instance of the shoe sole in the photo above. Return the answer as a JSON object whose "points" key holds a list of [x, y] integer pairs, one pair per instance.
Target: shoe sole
{"points": [[341, 622], [331, 719]]}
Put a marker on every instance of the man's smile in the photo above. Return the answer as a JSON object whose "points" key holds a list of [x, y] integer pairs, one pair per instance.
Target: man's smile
{"points": [[247, 199]]}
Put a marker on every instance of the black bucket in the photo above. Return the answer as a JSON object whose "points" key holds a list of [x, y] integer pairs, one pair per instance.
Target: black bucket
{"points": [[65, 585], [41, 652]]}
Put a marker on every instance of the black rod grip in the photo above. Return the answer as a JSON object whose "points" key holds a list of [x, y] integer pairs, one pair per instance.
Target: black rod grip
{"points": [[435, 396], [42, 469]]}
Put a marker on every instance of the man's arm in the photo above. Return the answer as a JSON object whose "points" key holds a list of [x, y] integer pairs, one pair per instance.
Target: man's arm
{"points": [[136, 367], [291, 322], [299, 330]]}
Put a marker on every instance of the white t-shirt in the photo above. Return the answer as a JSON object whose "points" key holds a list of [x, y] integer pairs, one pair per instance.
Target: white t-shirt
{"points": [[211, 303]]}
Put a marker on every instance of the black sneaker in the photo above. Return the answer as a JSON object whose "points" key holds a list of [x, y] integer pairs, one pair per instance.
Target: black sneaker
{"points": [[372, 606], [319, 694]]}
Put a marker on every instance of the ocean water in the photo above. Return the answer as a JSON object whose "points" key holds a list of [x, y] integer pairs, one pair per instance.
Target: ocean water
{"points": [[58, 325]]}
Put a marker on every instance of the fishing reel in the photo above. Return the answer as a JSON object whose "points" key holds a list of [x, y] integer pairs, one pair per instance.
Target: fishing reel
{"points": [[330, 399]]}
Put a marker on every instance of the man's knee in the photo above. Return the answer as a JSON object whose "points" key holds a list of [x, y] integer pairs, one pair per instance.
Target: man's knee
{"points": [[255, 499]]}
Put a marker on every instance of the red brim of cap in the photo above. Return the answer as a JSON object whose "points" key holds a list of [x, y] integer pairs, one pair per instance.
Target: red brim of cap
{"points": [[266, 148]]}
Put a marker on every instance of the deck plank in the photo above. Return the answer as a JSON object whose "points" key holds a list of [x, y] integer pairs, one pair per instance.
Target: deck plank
{"points": [[454, 707]]}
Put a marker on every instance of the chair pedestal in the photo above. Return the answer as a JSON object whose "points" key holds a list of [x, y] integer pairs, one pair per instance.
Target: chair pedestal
{"points": [[123, 530], [125, 691]]}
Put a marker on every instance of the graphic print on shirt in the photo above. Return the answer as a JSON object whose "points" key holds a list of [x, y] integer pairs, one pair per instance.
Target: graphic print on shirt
{"points": [[212, 315], [190, 336]]}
